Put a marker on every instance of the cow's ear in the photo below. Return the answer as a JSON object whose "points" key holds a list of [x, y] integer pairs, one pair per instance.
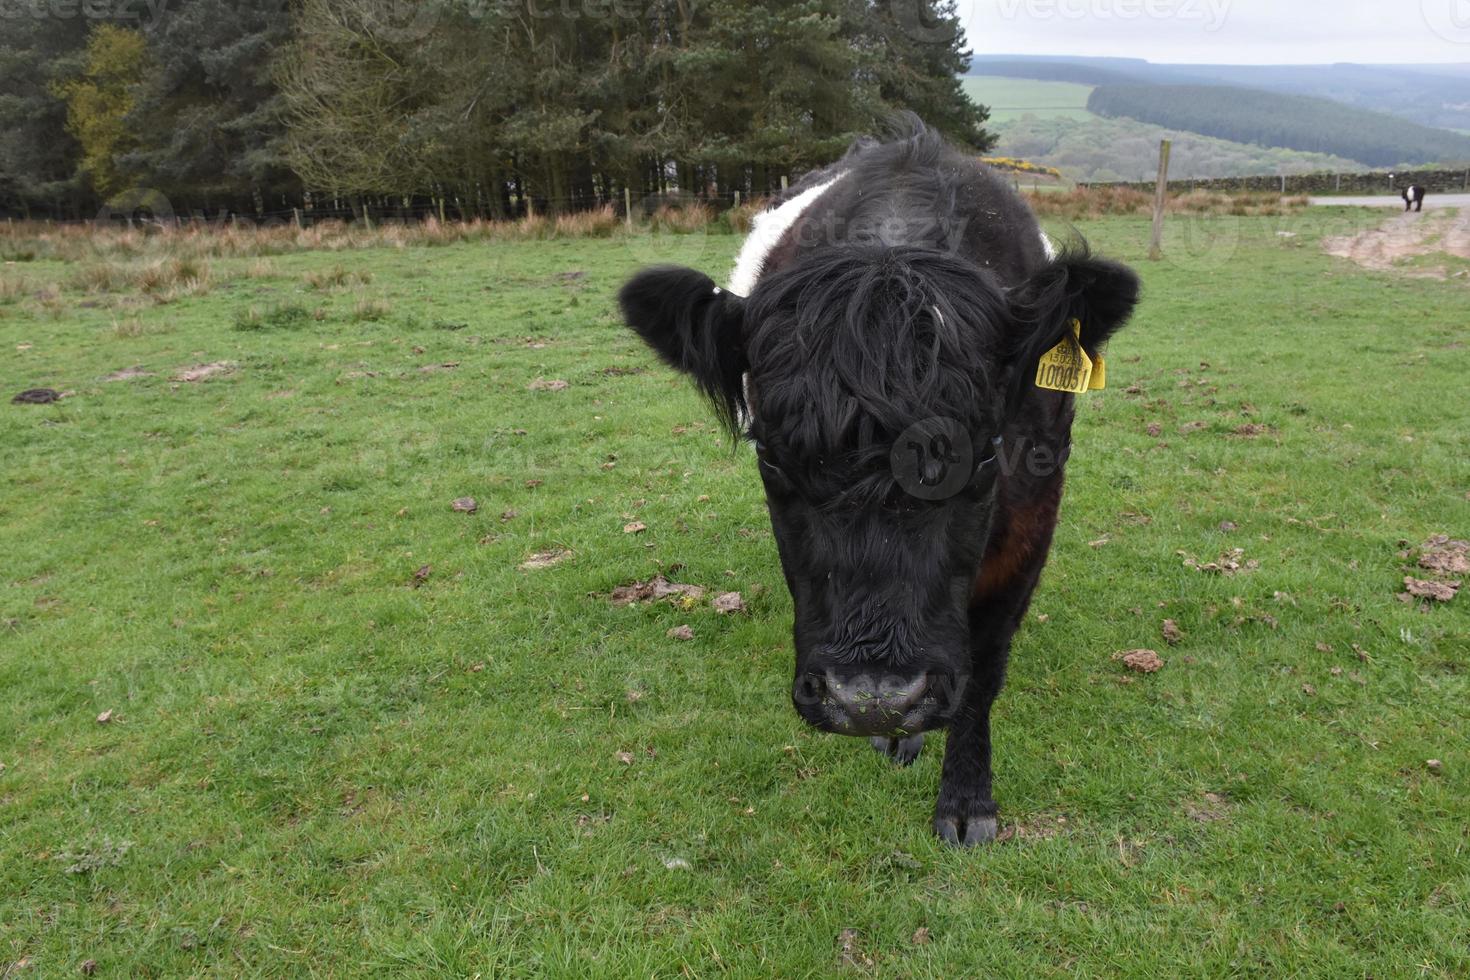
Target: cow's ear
{"points": [[694, 326], [1074, 286]]}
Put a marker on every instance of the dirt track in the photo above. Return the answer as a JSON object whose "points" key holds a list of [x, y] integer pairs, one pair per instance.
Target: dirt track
{"points": [[1406, 236], [1433, 201]]}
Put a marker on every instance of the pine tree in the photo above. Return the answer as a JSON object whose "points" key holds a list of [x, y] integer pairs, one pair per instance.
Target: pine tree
{"points": [[210, 119], [39, 158]]}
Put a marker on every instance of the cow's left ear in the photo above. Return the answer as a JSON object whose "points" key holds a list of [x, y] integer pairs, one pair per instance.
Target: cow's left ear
{"points": [[696, 327], [1076, 285]]}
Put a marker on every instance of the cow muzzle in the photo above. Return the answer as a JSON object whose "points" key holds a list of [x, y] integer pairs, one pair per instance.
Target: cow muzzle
{"points": [[869, 703]]}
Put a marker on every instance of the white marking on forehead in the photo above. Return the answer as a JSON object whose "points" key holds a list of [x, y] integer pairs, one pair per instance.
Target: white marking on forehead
{"points": [[770, 226], [1051, 250]]}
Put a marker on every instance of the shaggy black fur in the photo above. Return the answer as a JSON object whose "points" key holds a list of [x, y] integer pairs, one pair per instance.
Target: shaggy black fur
{"points": [[915, 291]]}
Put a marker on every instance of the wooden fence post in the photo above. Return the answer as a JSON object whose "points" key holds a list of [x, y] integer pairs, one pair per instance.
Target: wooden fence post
{"points": [[628, 206], [1161, 194]]}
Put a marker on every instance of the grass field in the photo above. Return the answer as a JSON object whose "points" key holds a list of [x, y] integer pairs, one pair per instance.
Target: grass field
{"points": [[347, 733], [1013, 98]]}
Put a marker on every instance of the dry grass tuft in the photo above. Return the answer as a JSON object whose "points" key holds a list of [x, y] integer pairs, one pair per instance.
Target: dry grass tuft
{"points": [[337, 277], [162, 280], [14, 288], [1104, 200], [369, 310], [602, 223], [128, 328], [115, 258], [682, 219]]}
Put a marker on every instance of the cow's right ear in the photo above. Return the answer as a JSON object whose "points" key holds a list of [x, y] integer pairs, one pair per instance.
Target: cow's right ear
{"points": [[694, 326]]}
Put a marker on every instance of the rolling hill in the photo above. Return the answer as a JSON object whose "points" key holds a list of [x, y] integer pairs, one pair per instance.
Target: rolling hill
{"points": [[1431, 95], [1047, 122], [1226, 120], [1296, 122]]}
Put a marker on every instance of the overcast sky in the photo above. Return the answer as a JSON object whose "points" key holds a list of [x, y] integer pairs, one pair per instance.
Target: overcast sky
{"points": [[1225, 31]]}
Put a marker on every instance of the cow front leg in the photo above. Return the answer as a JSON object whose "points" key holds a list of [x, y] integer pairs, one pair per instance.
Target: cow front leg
{"points": [[964, 814]]}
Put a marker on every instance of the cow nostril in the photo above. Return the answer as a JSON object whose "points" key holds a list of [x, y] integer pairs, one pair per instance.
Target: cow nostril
{"points": [[810, 689]]}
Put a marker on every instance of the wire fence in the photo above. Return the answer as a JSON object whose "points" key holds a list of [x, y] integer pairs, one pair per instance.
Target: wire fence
{"points": [[150, 208]]}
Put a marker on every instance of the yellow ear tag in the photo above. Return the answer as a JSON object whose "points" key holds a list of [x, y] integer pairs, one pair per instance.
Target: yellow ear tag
{"points": [[1099, 379], [1066, 367]]}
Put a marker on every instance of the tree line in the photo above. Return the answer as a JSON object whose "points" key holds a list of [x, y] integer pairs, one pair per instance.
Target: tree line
{"points": [[1296, 122], [469, 108]]}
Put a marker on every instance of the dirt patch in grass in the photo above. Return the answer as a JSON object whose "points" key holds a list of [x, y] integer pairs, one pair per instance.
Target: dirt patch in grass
{"points": [[1043, 826], [545, 559], [656, 589], [1405, 237], [128, 374], [1208, 808], [203, 372]]}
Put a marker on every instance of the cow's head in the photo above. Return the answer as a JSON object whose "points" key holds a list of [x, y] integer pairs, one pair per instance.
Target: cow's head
{"points": [[873, 383]]}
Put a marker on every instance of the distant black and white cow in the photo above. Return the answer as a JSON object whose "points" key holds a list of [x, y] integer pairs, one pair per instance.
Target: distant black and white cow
{"points": [[1413, 196], [903, 347]]}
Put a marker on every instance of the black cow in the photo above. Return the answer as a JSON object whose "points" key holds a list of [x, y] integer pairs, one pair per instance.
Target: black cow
{"points": [[1413, 198], [880, 345]]}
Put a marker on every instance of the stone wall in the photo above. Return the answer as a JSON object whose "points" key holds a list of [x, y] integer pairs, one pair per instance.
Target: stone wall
{"points": [[1437, 182]]}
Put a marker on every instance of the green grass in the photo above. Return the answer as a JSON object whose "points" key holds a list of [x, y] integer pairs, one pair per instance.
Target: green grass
{"points": [[1014, 98], [318, 764]]}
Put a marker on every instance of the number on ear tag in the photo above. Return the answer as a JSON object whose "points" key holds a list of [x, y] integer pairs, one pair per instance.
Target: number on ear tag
{"points": [[1066, 367]]}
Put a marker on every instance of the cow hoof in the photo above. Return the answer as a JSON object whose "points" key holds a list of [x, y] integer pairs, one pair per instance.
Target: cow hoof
{"points": [[968, 833], [903, 751]]}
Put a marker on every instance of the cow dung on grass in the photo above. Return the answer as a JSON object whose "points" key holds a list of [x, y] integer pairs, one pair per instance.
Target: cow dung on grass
{"points": [[37, 396]]}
